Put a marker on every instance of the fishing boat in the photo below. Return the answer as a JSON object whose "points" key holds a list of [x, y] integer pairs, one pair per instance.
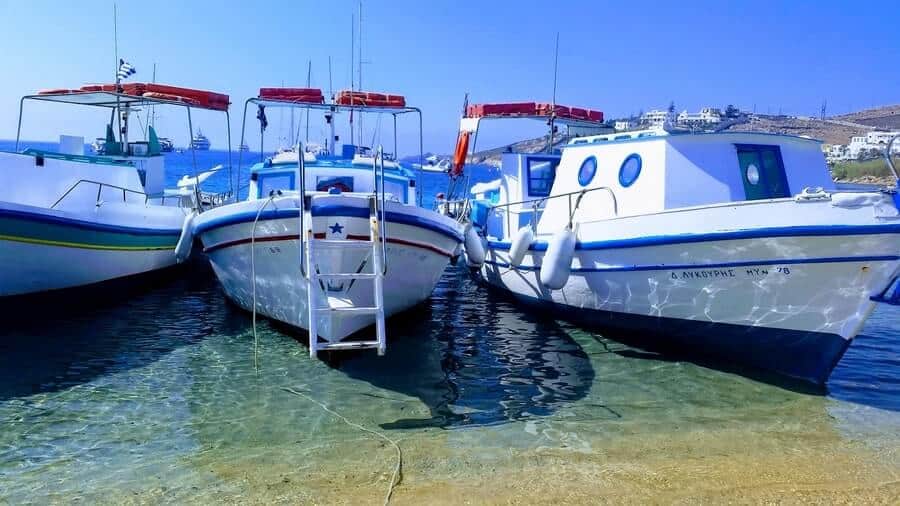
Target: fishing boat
{"points": [[331, 243], [737, 245], [244, 147], [69, 219], [200, 142]]}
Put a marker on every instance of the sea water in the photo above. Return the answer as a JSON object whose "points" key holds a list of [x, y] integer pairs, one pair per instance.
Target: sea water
{"points": [[158, 395]]}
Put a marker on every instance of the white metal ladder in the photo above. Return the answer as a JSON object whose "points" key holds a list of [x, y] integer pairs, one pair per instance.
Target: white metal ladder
{"points": [[377, 246]]}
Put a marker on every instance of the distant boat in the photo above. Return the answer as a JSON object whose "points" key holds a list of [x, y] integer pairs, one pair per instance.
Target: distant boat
{"points": [[200, 142], [244, 147], [166, 145]]}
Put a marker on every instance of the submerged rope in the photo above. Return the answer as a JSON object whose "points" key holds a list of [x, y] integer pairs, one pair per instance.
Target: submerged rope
{"points": [[395, 478], [253, 276]]}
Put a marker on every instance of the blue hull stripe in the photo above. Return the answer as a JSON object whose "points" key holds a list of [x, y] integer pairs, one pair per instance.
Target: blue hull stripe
{"points": [[722, 265], [730, 235], [86, 225], [331, 210]]}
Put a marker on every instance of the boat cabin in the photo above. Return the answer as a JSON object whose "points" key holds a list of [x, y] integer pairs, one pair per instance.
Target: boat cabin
{"points": [[124, 170], [644, 172], [356, 169]]}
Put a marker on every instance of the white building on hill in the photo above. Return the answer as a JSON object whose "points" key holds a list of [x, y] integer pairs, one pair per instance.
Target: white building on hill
{"points": [[706, 116], [658, 119]]}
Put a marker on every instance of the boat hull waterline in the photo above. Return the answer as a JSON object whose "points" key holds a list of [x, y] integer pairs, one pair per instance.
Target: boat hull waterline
{"points": [[788, 303], [43, 250], [417, 250]]}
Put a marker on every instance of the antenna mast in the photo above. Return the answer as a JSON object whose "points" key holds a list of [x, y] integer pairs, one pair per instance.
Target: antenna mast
{"points": [[360, 63], [553, 103], [308, 84], [116, 68], [352, 55]]}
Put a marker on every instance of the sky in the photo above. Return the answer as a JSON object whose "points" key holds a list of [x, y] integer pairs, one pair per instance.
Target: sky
{"points": [[618, 57]]}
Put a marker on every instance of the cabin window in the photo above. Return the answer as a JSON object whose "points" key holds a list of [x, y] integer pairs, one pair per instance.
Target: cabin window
{"points": [[342, 183], [587, 171], [541, 173], [267, 183], [762, 171], [630, 170]]}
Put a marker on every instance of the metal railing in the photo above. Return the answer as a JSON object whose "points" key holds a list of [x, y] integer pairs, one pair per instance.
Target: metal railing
{"points": [[101, 186], [380, 209], [537, 205]]}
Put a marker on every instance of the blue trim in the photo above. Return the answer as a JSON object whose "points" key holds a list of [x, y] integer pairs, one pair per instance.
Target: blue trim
{"points": [[595, 142], [721, 265], [892, 298], [730, 235], [273, 174], [98, 160], [554, 164], [402, 218], [622, 179], [86, 225], [585, 179], [328, 210]]}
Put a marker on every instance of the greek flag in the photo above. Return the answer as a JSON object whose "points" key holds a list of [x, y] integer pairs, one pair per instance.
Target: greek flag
{"points": [[125, 70]]}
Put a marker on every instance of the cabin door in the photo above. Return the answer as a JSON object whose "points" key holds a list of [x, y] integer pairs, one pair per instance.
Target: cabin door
{"points": [[762, 172]]}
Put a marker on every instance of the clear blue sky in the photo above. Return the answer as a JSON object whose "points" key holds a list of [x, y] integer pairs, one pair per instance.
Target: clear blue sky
{"points": [[619, 57]]}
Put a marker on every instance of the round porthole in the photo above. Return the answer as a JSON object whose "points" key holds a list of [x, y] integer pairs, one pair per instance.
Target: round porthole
{"points": [[587, 171], [630, 170], [752, 174]]}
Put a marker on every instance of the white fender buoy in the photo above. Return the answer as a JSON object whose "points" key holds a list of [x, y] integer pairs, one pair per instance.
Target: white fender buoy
{"points": [[186, 241], [474, 247], [557, 264], [519, 246]]}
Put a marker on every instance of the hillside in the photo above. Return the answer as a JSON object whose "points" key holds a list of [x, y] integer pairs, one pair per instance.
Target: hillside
{"points": [[883, 118]]}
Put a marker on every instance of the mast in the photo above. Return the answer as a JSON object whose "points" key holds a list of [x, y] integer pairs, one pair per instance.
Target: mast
{"points": [[116, 68], [553, 103], [352, 55], [153, 108], [308, 84], [360, 63]]}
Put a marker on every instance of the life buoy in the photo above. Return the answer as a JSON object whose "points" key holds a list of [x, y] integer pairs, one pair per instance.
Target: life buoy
{"points": [[459, 156]]}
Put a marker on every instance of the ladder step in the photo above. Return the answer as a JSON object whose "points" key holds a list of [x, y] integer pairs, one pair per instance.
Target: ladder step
{"points": [[341, 244], [347, 275], [348, 309], [348, 345]]}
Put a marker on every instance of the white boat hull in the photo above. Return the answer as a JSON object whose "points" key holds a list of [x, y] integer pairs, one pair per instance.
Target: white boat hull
{"points": [[783, 297], [419, 245], [43, 249]]}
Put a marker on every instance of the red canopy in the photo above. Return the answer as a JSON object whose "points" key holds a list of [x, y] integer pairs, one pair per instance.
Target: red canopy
{"points": [[368, 98], [305, 95], [533, 110], [154, 91]]}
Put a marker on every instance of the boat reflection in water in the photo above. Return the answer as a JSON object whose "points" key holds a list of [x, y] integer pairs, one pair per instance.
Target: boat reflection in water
{"points": [[507, 366]]}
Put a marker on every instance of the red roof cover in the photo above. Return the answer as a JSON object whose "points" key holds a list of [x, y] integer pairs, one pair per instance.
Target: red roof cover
{"points": [[305, 95], [193, 97], [532, 109], [370, 99]]}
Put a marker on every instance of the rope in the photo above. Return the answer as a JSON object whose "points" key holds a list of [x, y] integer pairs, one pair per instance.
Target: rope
{"points": [[397, 476], [253, 275]]}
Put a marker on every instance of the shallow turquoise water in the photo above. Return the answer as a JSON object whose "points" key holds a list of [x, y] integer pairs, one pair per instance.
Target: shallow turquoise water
{"points": [[156, 396]]}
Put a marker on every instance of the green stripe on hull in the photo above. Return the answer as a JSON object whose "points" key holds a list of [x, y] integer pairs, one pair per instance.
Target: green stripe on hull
{"points": [[12, 229]]}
